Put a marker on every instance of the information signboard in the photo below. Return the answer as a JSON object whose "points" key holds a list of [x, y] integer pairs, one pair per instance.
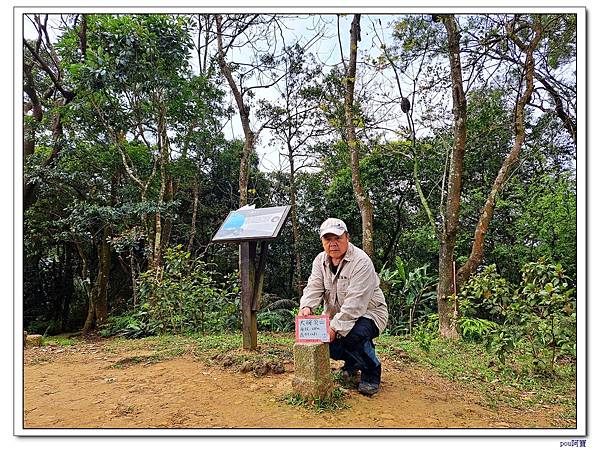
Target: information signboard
{"points": [[250, 224], [251, 227], [312, 328]]}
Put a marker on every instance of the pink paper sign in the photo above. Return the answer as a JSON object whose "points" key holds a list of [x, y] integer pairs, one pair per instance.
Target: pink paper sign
{"points": [[312, 328]]}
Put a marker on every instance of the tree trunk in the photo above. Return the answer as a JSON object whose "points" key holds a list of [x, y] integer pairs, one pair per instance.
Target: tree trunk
{"points": [[245, 167], [297, 282], [98, 300], [447, 305], [89, 319], [83, 36], [132, 262], [244, 112], [68, 288], [168, 221], [477, 249], [194, 214], [393, 239], [159, 240], [103, 277], [362, 197]]}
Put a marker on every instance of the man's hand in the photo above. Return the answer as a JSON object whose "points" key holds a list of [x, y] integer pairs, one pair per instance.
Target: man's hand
{"points": [[331, 335], [305, 311]]}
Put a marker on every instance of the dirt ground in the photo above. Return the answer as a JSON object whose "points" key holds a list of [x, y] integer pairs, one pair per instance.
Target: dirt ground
{"points": [[97, 385]]}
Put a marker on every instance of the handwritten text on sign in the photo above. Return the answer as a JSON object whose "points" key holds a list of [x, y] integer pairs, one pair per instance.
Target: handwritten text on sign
{"points": [[312, 328]]}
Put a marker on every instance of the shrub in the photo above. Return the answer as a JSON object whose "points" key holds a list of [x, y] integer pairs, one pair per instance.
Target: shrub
{"points": [[185, 297], [277, 314], [486, 295], [426, 331], [408, 295], [475, 329], [541, 318]]}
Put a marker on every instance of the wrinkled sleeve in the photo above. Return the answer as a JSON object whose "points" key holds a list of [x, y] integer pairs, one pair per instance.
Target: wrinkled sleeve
{"points": [[363, 283], [315, 287]]}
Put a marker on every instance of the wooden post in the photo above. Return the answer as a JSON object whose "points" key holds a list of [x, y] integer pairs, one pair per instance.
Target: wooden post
{"points": [[249, 328], [252, 275]]}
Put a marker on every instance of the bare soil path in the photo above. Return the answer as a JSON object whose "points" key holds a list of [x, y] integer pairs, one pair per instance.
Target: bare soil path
{"points": [[101, 386]]}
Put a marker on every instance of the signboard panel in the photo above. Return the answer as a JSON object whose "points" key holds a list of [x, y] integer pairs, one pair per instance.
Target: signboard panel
{"points": [[312, 328], [249, 224]]}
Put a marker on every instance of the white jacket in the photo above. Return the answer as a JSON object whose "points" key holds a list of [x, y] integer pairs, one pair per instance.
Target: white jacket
{"points": [[352, 292]]}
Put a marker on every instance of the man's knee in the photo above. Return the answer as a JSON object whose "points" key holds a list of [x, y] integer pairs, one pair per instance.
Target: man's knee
{"points": [[354, 341], [363, 330]]}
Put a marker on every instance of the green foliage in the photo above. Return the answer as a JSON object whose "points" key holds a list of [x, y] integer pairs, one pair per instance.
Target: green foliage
{"points": [[335, 403], [60, 341], [475, 329], [136, 74], [408, 295], [185, 298], [486, 295], [537, 317], [542, 317], [278, 315], [43, 327], [426, 331], [132, 325], [471, 364]]}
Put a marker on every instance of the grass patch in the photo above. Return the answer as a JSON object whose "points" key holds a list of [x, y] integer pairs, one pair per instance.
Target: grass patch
{"points": [[268, 344], [60, 341], [267, 338], [335, 403], [216, 342], [224, 349], [394, 347], [164, 347], [515, 384], [270, 356], [175, 344]]}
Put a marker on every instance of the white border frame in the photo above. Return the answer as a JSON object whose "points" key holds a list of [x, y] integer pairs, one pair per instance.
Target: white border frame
{"points": [[152, 6]]}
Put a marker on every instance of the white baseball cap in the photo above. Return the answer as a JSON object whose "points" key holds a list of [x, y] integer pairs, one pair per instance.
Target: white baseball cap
{"points": [[335, 226]]}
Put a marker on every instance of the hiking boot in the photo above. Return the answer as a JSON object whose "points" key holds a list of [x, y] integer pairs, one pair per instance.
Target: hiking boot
{"points": [[370, 380], [368, 389]]}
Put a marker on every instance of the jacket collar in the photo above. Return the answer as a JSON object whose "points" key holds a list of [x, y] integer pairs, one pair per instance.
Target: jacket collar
{"points": [[350, 252]]}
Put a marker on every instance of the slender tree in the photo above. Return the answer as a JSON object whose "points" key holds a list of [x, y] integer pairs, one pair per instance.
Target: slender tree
{"points": [[236, 29], [447, 306], [294, 123], [447, 227], [523, 98], [449, 277], [361, 195]]}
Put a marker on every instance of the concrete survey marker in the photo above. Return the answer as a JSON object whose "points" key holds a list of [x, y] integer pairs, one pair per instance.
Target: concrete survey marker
{"points": [[312, 376], [33, 340]]}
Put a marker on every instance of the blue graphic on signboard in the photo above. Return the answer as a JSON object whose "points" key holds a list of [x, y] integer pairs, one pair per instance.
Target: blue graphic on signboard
{"points": [[235, 221]]}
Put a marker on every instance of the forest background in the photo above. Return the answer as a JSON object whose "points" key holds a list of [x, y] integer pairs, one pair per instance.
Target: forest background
{"points": [[454, 170]]}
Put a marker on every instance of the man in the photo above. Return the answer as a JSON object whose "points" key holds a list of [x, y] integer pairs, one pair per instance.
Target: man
{"points": [[344, 279]]}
